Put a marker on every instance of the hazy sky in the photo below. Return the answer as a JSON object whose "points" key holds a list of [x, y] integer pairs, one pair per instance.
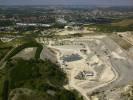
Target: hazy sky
{"points": [[66, 2]]}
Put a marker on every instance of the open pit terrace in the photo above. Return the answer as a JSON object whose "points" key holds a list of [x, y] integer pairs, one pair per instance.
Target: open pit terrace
{"points": [[92, 63]]}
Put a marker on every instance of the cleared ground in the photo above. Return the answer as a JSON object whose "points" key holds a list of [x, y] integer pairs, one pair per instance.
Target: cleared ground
{"points": [[103, 64], [28, 53]]}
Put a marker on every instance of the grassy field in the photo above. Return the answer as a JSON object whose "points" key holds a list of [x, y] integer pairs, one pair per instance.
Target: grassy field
{"points": [[108, 28], [124, 23], [119, 25]]}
